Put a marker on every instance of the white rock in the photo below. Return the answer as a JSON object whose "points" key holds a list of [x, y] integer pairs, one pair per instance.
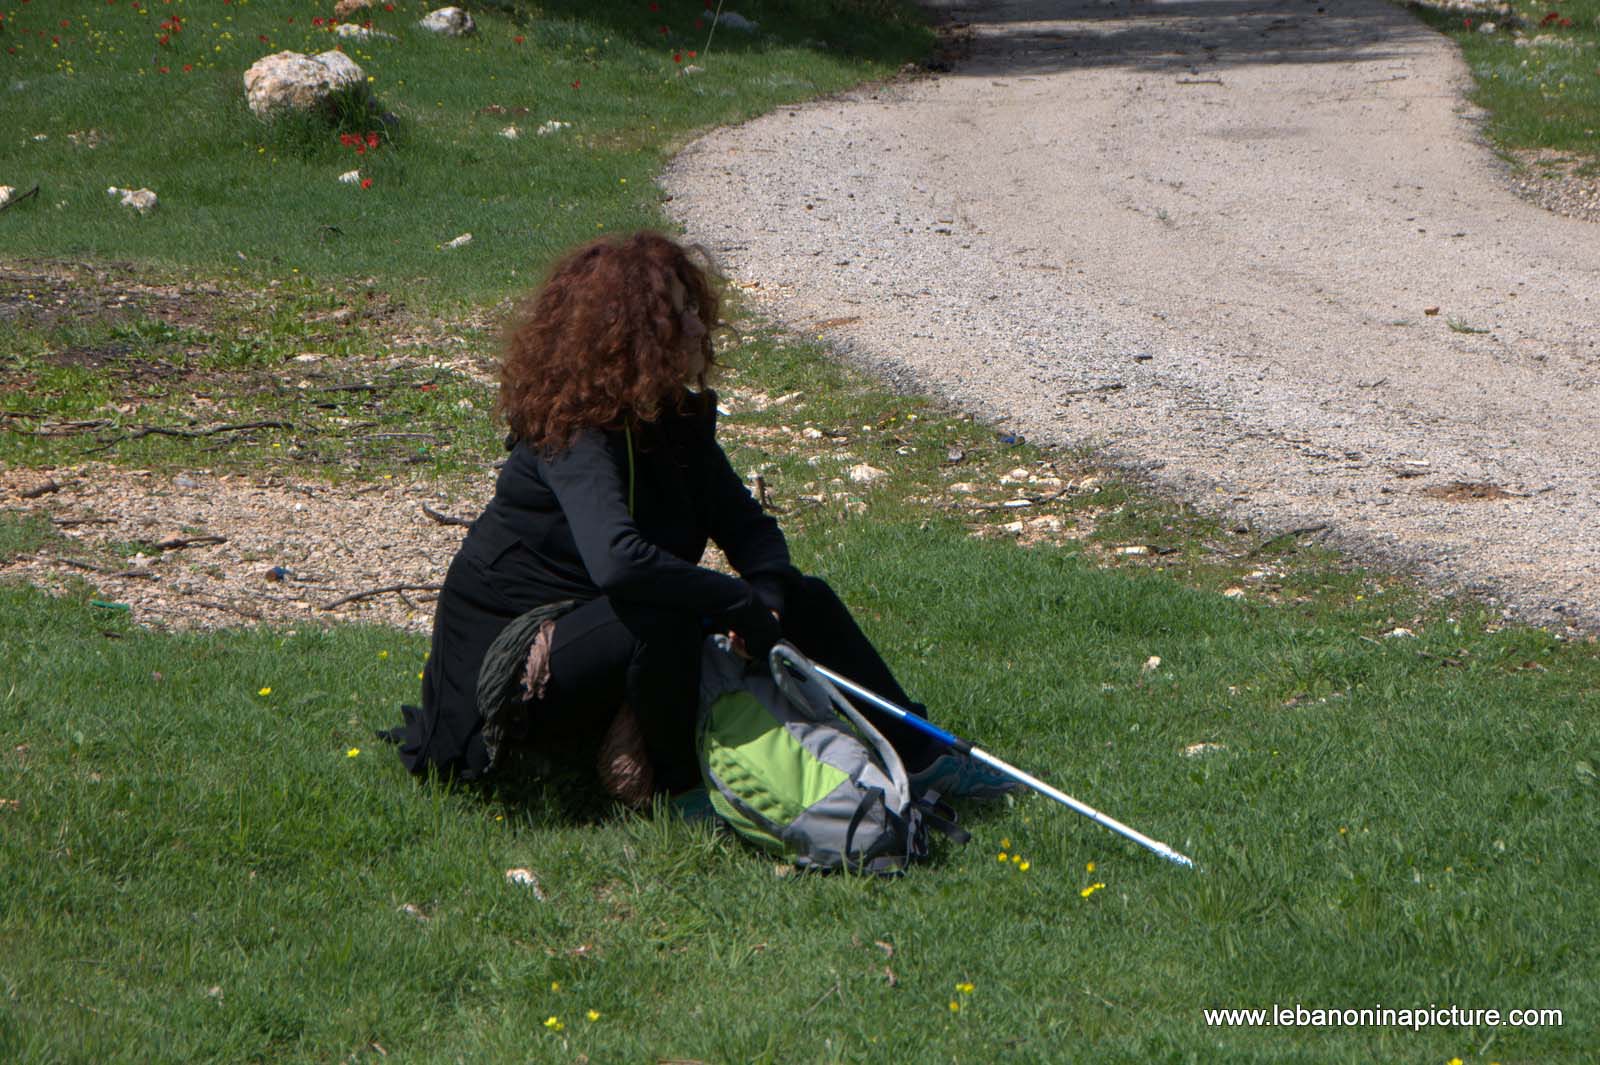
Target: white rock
{"points": [[346, 8], [460, 242], [1015, 528], [1133, 549], [1152, 663], [299, 82], [511, 133], [1195, 750], [6, 192], [351, 177], [1233, 593], [141, 200], [963, 488], [735, 21], [1016, 476], [525, 878], [865, 474], [1401, 634], [450, 21], [351, 31], [691, 70], [811, 433], [1487, 27], [555, 125]]}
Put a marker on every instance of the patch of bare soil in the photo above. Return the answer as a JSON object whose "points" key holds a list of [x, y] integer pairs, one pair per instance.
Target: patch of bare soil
{"points": [[56, 293], [199, 550], [1565, 184]]}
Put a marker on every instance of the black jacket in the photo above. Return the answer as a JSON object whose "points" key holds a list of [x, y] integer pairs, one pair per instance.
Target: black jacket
{"points": [[572, 512], [564, 527]]}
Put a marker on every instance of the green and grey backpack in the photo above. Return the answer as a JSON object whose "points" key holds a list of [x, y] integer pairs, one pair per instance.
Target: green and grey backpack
{"points": [[792, 766]]}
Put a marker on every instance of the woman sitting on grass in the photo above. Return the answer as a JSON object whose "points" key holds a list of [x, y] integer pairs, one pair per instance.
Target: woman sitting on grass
{"points": [[614, 485]]}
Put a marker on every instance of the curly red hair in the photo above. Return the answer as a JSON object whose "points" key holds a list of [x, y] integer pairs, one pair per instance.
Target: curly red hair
{"points": [[601, 343]]}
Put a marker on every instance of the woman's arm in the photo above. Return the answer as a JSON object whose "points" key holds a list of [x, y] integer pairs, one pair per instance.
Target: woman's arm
{"points": [[590, 485]]}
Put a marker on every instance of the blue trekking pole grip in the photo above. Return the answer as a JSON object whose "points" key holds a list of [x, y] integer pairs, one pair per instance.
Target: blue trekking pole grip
{"points": [[963, 746]]}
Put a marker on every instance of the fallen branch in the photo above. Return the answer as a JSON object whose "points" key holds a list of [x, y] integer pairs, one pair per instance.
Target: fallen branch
{"points": [[162, 430], [444, 519], [141, 574], [175, 543], [190, 434], [1199, 81], [64, 523], [385, 590], [18, 199], [41, 490]]}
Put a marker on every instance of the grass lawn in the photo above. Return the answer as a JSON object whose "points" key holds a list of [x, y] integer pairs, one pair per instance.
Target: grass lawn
{"points": [[1537, 75], [205, 856]]}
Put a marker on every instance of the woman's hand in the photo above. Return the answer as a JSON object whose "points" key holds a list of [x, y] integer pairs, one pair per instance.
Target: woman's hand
{"points": [[753, 629]]}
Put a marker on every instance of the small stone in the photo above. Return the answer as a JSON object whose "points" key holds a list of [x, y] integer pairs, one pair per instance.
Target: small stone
{"points": [[1016, 476], [963, 488], [141, 200], [183, 480], [6, 192], [350, 31], [1401, 634], [865, 474], [526, 878], [1233, 593], [1015, 528], [460, 242], [410, 909], [1133, 550], [345, 8], [1487, 27], [511, 133], [735, 21], [555, 125], [691, 70], [1195, 750], [811, 433], [449, 21], [1152, 664], [351, 177]]}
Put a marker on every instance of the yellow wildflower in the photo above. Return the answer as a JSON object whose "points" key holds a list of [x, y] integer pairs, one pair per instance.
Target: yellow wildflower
{"points": [[1016, 859], [1090, 867], [383, 654], [1091, 889], [352, 752], [555, 985], [553, 1024], [594, 1015], [955, 1007], [264, 692], [964, 988], [1002, 856], [1025, 866], [1005, 844]]}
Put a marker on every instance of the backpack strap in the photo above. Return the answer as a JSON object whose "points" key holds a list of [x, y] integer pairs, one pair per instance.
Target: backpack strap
{"points": [[793, 672]]}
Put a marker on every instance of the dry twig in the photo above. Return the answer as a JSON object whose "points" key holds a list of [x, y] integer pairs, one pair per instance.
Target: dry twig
{"points": [[385, 590]]}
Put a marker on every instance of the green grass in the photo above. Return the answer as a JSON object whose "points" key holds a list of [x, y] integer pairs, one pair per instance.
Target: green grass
{"points": [[1546, 96], [192, 870], [197, 871], [243, 197]]}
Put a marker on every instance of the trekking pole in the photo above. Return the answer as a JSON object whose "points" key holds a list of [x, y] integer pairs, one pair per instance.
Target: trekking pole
{"points": [[977, 753]]}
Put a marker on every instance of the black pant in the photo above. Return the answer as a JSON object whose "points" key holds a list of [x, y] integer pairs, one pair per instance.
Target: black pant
{"points": [[606, 653]]}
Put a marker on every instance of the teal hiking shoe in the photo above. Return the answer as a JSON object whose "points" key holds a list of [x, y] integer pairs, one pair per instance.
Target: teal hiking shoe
{"points": [[960, 776], [693, 805]]}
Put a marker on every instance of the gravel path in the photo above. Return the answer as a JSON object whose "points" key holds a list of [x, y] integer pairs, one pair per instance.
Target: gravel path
{"points": [[1255, 249]]}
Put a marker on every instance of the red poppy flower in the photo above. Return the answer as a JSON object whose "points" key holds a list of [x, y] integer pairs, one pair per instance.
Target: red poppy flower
{"points": [[66, 23], [677, 57], [388, 7], [366, 183], [262, 38], [361, 149], [317, 21], [188, 68], [578, 84], [372, 139], [164, 70], [519, 38], [665, 31], [163, 39], [693, 54]]}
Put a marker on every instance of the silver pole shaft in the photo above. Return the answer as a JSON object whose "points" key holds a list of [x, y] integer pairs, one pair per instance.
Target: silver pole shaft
{"points": [[1104, 820]]}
